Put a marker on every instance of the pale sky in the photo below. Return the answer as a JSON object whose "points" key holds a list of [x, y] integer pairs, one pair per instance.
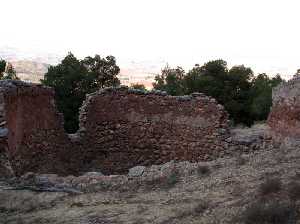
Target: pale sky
{"points": [[263, 34]]}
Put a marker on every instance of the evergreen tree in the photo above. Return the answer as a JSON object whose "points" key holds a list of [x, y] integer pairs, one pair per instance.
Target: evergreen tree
{"points": [[72, 79], [170, 80], [245, 97]]}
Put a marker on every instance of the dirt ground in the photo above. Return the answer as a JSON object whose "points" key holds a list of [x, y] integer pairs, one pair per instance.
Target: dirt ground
{"points": [[219, 194]]}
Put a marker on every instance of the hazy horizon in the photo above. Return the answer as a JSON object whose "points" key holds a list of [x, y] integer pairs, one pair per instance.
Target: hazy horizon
{"points": [[261, 35]]}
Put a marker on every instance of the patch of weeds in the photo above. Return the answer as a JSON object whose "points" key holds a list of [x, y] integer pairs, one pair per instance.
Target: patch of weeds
{"points": [[164, 182], [279, 158], [150, 184], [77, 204], [237, 190], [139, 221], [96, 220], [200, 208], [218, 165], [31, 208], [297, 176], [141, 209], [293, 190], [272, 212], [43, 220], [171, 180], [240, 160], [203, 170], [101, 186], [270, 186], [19, 221], [7, 210], [194, 211]]}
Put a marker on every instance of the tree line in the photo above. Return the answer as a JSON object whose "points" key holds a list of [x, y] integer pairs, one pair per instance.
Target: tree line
{"points": [[246, 97]]}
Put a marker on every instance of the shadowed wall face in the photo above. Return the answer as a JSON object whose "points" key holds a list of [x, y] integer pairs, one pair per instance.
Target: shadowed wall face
{"points": [[119, 128], [36, 139]]}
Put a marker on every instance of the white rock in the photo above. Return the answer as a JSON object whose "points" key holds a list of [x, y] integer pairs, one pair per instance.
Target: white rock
{"points": [[93, 174], [136, 171]]}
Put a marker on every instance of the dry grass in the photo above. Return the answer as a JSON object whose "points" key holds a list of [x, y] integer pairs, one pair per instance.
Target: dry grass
{"points": [[270, 186], [272, 212]]}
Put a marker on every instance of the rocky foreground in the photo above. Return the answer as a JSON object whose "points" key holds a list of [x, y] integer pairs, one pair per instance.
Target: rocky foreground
{"points": [[258, 187]]}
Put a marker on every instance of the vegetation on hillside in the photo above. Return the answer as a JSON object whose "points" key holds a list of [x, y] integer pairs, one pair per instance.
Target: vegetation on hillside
{"points": [[246, 97]]}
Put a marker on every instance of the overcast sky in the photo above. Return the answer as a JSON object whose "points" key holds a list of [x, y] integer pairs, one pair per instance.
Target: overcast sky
{"points": [[263, 34]]}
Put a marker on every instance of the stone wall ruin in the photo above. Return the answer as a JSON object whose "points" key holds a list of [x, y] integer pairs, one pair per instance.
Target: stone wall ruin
{"points": [[284, 118], [119, 129], [131, 127], [32, 129]]}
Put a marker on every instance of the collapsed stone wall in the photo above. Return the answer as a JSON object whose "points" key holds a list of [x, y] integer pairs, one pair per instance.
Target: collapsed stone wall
{"points": [[119, 129], [284, 118], [122, 128]]}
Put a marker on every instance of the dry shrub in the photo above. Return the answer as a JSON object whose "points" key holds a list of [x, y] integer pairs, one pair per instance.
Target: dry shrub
{"points": [[203, 170], [163, 182], [240, 160], [293, 190], [198, 210], [270, 186], [273, 212]]}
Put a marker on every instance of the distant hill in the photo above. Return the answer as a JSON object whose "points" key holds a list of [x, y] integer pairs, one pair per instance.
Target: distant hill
{"points": [[15, 54], [31, 67], [30, 71], [142, 72]]}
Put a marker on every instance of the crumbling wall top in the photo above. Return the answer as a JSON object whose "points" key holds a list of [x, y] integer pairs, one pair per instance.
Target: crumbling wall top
{"points": [[128, 91], [286, 91]]}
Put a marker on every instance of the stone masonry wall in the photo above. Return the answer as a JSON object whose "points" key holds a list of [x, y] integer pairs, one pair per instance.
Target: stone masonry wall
{"points": [[119, 129], [284, 118], [122, 128], [31, 129]]}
